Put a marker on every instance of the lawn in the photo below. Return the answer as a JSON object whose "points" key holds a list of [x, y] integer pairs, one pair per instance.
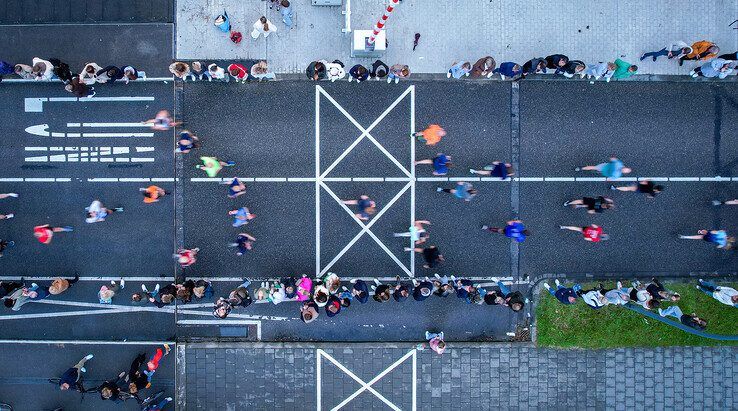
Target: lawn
{"points": [[580, 326]]}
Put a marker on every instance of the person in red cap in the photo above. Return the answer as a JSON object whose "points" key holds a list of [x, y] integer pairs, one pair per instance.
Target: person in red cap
{"points": [[238, 72], [44, 233], [592, 232]]}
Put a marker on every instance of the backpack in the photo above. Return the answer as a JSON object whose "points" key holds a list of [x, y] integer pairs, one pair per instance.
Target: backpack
{"points": [[223, 22], [236, 36]]}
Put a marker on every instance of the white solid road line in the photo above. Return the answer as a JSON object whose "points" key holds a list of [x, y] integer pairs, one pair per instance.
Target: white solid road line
{"points": [[35, 104], [107, 279], [139, 124], [86, 342], [42, 130]]}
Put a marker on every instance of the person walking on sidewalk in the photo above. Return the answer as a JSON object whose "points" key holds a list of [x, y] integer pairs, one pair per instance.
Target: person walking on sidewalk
{"points": [[72, 377], [614, 168], [431, 136], [557, 62], [497, 169], [674, 49], [593, 205], [701, 50], [97, 212], [44, 233], [212, 166], [534, 66], [565, 295], [463, 191], [592, 233], [509, 69], [646, 187], [459, 69], [623, 70], [726, 295], [718, 237], [397, 72], [436, 342], [152, 193], [440, 162], [514, 230], [600, 70], [358, 73], [417, 232], [180, 70], [379, 70], [691, 320], [367, 207], [263, 26], [716, 67], [483, 67]]}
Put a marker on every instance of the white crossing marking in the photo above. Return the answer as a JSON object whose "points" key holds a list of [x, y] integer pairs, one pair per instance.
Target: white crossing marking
{"points": [[42, 130]]}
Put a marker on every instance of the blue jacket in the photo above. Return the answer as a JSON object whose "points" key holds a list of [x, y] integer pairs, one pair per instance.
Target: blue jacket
{"points": [[563, 294]]}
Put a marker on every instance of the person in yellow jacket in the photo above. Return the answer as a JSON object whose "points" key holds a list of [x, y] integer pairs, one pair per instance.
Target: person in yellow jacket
{"points": [[701, 50]]}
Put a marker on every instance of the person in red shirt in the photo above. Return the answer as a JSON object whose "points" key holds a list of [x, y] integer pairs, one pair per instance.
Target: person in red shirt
{"points": [[186, 257], [591, 232], [44, 233], [238, 72]]}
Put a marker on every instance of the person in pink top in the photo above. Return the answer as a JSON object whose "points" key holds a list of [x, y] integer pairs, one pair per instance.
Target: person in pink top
{"points": [[304, 288], [435, 340]]}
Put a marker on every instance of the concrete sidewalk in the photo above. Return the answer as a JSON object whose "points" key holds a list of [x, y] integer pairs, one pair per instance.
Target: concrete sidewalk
{"points": [[450, 31], [466, 376]]}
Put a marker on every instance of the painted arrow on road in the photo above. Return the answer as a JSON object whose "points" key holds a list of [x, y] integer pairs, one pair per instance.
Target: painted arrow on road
{"points": [[43, 131]]}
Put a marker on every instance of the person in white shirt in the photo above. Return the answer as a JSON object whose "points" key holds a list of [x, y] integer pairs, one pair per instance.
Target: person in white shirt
{"points": [[671, 50], [42, 69], [89, 73], [217, 73], [263, 26], [726, 295]]}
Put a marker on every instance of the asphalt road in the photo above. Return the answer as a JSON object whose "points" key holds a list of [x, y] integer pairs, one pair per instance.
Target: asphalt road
{"points": [[676, 131]]}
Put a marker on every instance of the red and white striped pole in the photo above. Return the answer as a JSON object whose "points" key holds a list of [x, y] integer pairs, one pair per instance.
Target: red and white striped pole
{"points": [[380, 23]]}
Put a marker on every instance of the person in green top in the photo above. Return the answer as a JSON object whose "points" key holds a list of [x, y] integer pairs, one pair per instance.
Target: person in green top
{"points": [[624, 69]]}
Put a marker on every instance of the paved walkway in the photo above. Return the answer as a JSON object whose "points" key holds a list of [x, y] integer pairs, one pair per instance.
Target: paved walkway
{"points": [[509, 30], [237, 376]]}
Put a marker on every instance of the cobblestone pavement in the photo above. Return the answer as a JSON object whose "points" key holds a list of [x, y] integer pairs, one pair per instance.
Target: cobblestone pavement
{"points": [[275, 376], [509, 30]]}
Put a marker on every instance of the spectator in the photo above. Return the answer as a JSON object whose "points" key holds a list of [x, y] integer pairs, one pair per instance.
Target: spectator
{"points": [[309, 312], [671, 50], [198, 71], [658, 292], [316, 70], [509, 69], [726, 295], [24, 71], [691, 320], [556, 62], [717, 67], [238, 71], [600, 70], [334, 71], [574, 67], [483, 67], [513, 300], [360, 291], [435, 341], [261, 71], [130, 74], [623, 70], [358, 73], [379, 70], [237, 298], [565, 295], [61, 70], [180, 70], [401, 291], [381, 292], [108, 74], [534, 66], [106, 293], [422, 290], [397, 72], [701, 50], [618, 296], [286, 13], [72, 376], [594, 298], [216, 72], [459, 70], [79, 88], [42, 69], [89, 73]]}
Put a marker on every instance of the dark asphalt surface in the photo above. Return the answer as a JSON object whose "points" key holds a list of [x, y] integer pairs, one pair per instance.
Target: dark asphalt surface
{"points": [[269, 131], [25, 384]]}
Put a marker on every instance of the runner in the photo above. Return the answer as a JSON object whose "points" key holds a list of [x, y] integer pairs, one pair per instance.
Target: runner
{"points": [[514, 229], [496, 169], [592, 232], [186, 257], [9, 215], [440, 162], [646, 187], [593, 205], [463, 191], [727, 202], [212, 166], [187, 141], [431, 255], [162, 122], [96, 212], [612, 169], [5, 244], [718, 237], [431, 135], [6, 195], [152, 194], [241, 216], [417, 232], [236, 188], [244, 242], [44, 233], [6, 216], [367, 207]]}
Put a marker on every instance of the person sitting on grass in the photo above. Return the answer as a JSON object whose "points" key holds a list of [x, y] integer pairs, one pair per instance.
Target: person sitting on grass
{"points": [[726, 295], [691, 320]]}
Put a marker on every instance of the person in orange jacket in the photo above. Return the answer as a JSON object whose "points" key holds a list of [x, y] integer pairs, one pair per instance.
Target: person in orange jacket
{"points": [[431, 135], [701, 50]]}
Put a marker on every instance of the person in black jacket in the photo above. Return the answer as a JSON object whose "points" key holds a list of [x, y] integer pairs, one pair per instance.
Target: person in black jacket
{"points": [[316, 71], [379, 70], [72, 378], [108, 74], [534, 66], [61, 70], [358, 73], [556, 62], [691, 320], [402, 291], [360, 290], [574, 67]]}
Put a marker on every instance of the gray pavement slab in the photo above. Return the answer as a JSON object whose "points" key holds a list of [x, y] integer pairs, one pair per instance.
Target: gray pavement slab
{"points": [[69, 11], [508, 30], [466, 375], [148, 47], [27, 386]]}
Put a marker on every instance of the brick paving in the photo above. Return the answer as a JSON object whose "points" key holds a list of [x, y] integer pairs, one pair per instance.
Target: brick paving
{"points": [[509, 30], [468, 376]]}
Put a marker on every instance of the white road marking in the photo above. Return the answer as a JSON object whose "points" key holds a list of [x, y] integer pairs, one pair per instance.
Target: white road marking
{"points": [[42, 130], [685, 179], [239, 280], [317, 188], [139, 124], [144, 149], [86, 342], [35, 104], [271, 179], [368, 179], [335, 179], [224, 322], [412, 195]]}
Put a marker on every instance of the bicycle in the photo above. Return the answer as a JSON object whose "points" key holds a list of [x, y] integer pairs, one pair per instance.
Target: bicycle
{"points": [[148, 401]]}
